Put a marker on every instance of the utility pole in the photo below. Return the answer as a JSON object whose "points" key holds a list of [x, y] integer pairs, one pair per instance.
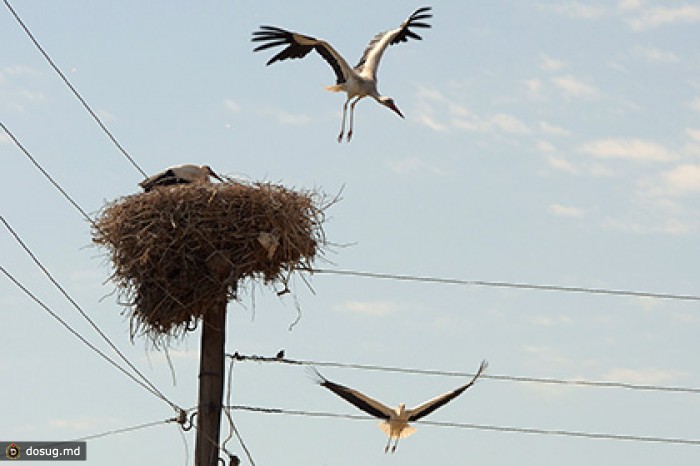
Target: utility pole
{"points": [[211, 385]]}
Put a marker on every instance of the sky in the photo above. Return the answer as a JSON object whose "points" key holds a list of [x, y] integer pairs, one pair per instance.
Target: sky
{"points": [[546, 142]]}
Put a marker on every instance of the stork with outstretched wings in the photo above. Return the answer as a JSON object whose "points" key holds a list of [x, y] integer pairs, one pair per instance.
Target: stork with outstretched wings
{"points": [[358, 82], [395, 421]]}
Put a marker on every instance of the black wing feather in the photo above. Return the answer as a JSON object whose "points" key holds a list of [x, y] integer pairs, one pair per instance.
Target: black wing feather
{"points": [[403, 35], [328, 56], [450, 396], [347, 394], [166, 178], [274, 37], [413, 21], [341, 391]]}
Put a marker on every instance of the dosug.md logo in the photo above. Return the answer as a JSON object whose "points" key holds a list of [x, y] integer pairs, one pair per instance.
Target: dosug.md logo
{"points": [[12, 451]]}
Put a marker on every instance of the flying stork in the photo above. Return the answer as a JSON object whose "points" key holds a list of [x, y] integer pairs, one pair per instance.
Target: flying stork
{"points": [[180, 174], [358, 82], [395, 420]]}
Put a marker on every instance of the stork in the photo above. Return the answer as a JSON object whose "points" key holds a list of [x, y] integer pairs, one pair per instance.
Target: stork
{"points": [[180, 174], [358, 82], [395, 420]]}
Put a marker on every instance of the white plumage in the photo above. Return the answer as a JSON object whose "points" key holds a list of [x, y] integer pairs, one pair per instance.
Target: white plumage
{"points": [[180, 174], [395, 420], [358, 82]]}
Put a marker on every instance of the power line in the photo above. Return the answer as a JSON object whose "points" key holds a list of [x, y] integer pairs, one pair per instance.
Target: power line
{"points": [[124, 430], [509, 378], [46, 174], [73, 89], [75, 332], [413, 278], [502, 284], [458, 425], [66, 195], [232, 426], [84, 314]]}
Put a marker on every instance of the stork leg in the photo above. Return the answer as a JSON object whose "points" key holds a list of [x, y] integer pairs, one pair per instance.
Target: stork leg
{"points": [[388, 443], [396, 443], [352, 116], [342, 124]]}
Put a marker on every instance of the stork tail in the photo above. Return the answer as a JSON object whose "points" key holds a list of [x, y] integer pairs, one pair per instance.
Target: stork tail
{"points": [[334, 88], [405, 432]]}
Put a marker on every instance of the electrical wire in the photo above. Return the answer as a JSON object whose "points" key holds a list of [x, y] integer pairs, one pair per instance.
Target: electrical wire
{"points": [[73, 89], [413, 278], [458, 425], [502, 284], [85, 315], [67, 196], [123, 430], [73, 331], [46, 174], [509, 378], [498, 284], [232, 426]]}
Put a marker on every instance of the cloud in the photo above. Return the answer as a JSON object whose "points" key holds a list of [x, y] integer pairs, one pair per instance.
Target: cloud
{"points": [[15, 88], [501, 122], [106, 116], [695, 104], [508, 124], [432, 102], [592, 169], [550, 64], [286, 118], [692, 147], [566, 211], [670, 226], [629, 4], [579, 10], [545, 146], [654, 55], [663, 16], [79, 424], [32, 97], [548, 128], [19, 70], [693, 134], [534, 86], [551, 321], [562, 165], [649, 376], [545, 354], [414, 164], [430, 93], [573, 87], [682, 180], [429, 98], [432, 123], [630, 149], [369, 308], [232, 105]]}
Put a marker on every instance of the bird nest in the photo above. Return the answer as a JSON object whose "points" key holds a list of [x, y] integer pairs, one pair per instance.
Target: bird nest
{"points": [[179, 251]]}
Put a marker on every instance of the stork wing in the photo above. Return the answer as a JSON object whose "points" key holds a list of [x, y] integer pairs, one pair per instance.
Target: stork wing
{"points": [[360, 400], [431, 405], [369, 63], [163, 178], [298, 46]]}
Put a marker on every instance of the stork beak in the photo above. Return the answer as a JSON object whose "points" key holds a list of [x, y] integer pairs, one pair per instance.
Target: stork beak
{"points": [[212, 173], [395, 108]]}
